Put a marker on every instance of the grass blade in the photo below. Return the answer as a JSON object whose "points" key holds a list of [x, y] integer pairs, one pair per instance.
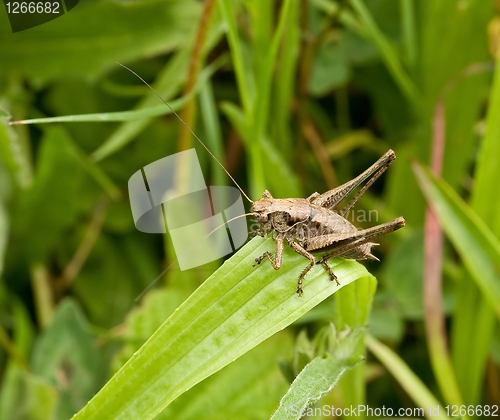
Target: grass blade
{"points": [[168, 84], [243, 76], [388, 53], [435, 327], [213, 131], [410, 382], [150, 112], [233, 311], [153, 111], [265, 73], [287, 69], [124, 136], [408, 24], [353, 307], [474, 321], [477, 246], [486, 204]]}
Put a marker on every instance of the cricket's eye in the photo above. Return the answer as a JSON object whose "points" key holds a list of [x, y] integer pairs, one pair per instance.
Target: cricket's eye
{"points": [[262, 217]]}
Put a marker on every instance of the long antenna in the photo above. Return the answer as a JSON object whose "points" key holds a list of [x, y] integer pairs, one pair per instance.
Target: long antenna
{"points": [[150, 285], [192, 132]]}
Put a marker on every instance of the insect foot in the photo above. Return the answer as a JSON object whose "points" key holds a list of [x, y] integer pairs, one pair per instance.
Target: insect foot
{"points": [[332, 275], [258, 260]]}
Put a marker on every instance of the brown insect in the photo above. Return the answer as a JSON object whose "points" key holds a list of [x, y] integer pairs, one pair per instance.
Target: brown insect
{"points": [[311, 225]]}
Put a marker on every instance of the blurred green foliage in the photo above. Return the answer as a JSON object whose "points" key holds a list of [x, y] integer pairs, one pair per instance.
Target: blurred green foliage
{"points": [[294, 97]]}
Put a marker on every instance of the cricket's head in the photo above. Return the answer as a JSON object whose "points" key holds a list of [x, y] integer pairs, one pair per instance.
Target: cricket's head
{"points": [[262, 208]]}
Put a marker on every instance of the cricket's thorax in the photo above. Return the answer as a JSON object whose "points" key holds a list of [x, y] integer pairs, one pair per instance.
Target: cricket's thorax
{"points": [[273, 210]]}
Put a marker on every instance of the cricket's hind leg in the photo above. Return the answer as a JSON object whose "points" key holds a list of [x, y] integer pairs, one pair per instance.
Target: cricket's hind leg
{"points": [[332, 275], [353, 245], [332, 198]]}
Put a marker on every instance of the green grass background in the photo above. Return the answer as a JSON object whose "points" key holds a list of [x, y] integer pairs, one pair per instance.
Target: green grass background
{"points": [[293, 96]]}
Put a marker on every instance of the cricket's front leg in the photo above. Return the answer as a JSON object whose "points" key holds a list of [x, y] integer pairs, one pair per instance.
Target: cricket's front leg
{"points": [[276, 263], [297, 248]]}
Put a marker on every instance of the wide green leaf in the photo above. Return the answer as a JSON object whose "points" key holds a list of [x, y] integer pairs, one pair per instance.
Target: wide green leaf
{"points": [[24, 395], [66, 358], [39, 227], [233, 311], [94, 35], [237, 391]]}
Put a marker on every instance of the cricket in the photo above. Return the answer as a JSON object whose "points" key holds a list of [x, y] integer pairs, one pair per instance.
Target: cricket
{"points": [[312, 226]]}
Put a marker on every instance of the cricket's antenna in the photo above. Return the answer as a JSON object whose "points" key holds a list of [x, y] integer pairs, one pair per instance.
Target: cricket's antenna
{"points": [[192, 132], [150, 285]]}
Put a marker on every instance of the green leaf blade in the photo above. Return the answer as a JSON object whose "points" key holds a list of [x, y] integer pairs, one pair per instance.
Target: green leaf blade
{"points": [[477, 246], [230, 313], [66, 350], [91, 38], [408, 380]]}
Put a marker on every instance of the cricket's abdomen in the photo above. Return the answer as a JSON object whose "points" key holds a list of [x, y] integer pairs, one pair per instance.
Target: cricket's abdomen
{"points": [[327, 231]]}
